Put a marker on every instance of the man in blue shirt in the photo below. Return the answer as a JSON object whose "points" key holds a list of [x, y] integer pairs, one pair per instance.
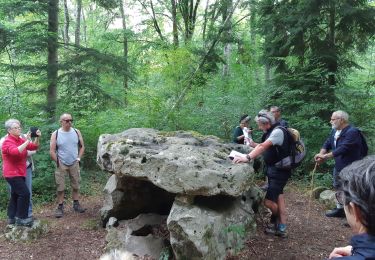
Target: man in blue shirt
{"points": [[276, 111], [344, 146]]}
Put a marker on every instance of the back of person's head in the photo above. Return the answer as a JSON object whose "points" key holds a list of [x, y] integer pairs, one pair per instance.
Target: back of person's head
{"points": [[265, 117], [358, 183], [275, 108], [244, 118]]}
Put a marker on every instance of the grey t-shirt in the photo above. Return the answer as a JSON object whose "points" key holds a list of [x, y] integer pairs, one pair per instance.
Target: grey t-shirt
{"points": [[67, 146], [276, 137]]}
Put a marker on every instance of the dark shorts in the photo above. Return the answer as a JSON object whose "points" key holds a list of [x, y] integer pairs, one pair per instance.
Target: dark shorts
{"points": [[277, 179]]}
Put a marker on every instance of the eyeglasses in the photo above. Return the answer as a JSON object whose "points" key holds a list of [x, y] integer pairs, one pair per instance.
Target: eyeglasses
{"points": [[68, 120], [17, 127], [333, 119], [342, 199]]}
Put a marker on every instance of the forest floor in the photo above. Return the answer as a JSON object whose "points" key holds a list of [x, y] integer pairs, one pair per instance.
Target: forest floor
{"points": [[79, 236]]}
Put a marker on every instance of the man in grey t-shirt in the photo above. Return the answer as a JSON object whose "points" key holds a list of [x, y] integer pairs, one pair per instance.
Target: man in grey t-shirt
{"points": [[66, 149], [274, 146]]}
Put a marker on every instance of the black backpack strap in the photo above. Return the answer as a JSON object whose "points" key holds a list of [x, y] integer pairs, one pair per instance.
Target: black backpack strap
{"points": [[291, 142], [79, 141]]}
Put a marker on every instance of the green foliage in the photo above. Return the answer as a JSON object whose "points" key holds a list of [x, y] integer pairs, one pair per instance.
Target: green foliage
{"points": [[305, 72]]}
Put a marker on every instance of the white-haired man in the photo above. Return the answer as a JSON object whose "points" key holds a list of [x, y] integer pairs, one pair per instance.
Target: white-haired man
{"points": [[344, 145]]}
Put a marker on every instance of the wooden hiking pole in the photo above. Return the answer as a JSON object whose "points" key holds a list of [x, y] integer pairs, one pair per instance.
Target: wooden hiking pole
{"points": [[311, 191]]}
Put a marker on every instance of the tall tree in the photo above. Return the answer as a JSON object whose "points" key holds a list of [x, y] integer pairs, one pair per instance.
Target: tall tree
{"points": [[52, 64], [188, 10], [66, 22], [309, 44], [226, 10], [78, 23], [174, 22], [125, 45]]}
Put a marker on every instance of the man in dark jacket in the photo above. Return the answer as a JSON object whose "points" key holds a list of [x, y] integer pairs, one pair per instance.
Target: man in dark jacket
{"points": [[344, 146], [276, 111]]}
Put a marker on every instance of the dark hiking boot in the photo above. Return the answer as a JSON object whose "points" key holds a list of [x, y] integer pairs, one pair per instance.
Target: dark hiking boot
{"points": [[59, 212], [336, 213], [24, 222], [77, 207], [270, 229]]}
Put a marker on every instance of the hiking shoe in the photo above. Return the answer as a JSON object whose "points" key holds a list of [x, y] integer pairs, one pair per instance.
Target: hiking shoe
{"points": [[59, 212], [281, 233], [77, 208], [24, 222], [11, 221], [336, 213], [270, 229]]}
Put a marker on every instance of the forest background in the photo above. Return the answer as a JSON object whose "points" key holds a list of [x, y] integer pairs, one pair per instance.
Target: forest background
{"points": [[183, 65]]}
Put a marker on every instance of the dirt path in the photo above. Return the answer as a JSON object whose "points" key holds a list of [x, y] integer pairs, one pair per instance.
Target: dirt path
{"points": [[77, 236], [311, 235]]}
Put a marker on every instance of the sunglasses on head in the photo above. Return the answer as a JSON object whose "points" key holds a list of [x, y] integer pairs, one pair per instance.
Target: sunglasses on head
{"points": [[265, 116]]}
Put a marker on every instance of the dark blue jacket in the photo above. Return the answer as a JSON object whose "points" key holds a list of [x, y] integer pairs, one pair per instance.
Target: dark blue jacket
{"points": [[348, 147], [363, 248], [283, 123]]}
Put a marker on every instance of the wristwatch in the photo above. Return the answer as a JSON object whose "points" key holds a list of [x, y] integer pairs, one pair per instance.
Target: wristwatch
{"points": [[248, 157]]}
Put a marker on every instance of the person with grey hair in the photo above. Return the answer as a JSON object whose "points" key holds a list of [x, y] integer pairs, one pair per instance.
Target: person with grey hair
{"points": [[14, 153], [276, 111], [29, 176], [274, 147], [357, 195], [345, 145]]}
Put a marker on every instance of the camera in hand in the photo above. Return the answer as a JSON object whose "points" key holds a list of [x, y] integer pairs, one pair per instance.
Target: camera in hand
{"points": [[33, 130]]}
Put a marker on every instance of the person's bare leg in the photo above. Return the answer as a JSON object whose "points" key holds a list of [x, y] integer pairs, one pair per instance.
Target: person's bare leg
{"points": [[272, 206], [281, 208]]}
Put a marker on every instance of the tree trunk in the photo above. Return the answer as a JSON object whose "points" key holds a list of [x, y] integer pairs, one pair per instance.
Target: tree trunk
{"points": [[52, 65], [205, 21], [84, 28], [332, 65], [188, 12], [156, 24], [66, 23], [227, 36], [174, 23], [253, 44], [78, 23], [125, 48]]}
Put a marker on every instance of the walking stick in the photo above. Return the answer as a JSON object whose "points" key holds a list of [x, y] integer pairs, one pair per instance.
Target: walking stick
{"points": [[311, 191]]}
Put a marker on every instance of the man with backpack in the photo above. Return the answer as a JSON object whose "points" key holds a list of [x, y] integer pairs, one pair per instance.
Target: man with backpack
{"points": [[276, 145], [345, 145], [276, 111], [66, 149]]}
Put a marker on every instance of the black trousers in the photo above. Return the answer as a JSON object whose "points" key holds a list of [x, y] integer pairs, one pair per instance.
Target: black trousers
{"points": [[19, 198]]}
